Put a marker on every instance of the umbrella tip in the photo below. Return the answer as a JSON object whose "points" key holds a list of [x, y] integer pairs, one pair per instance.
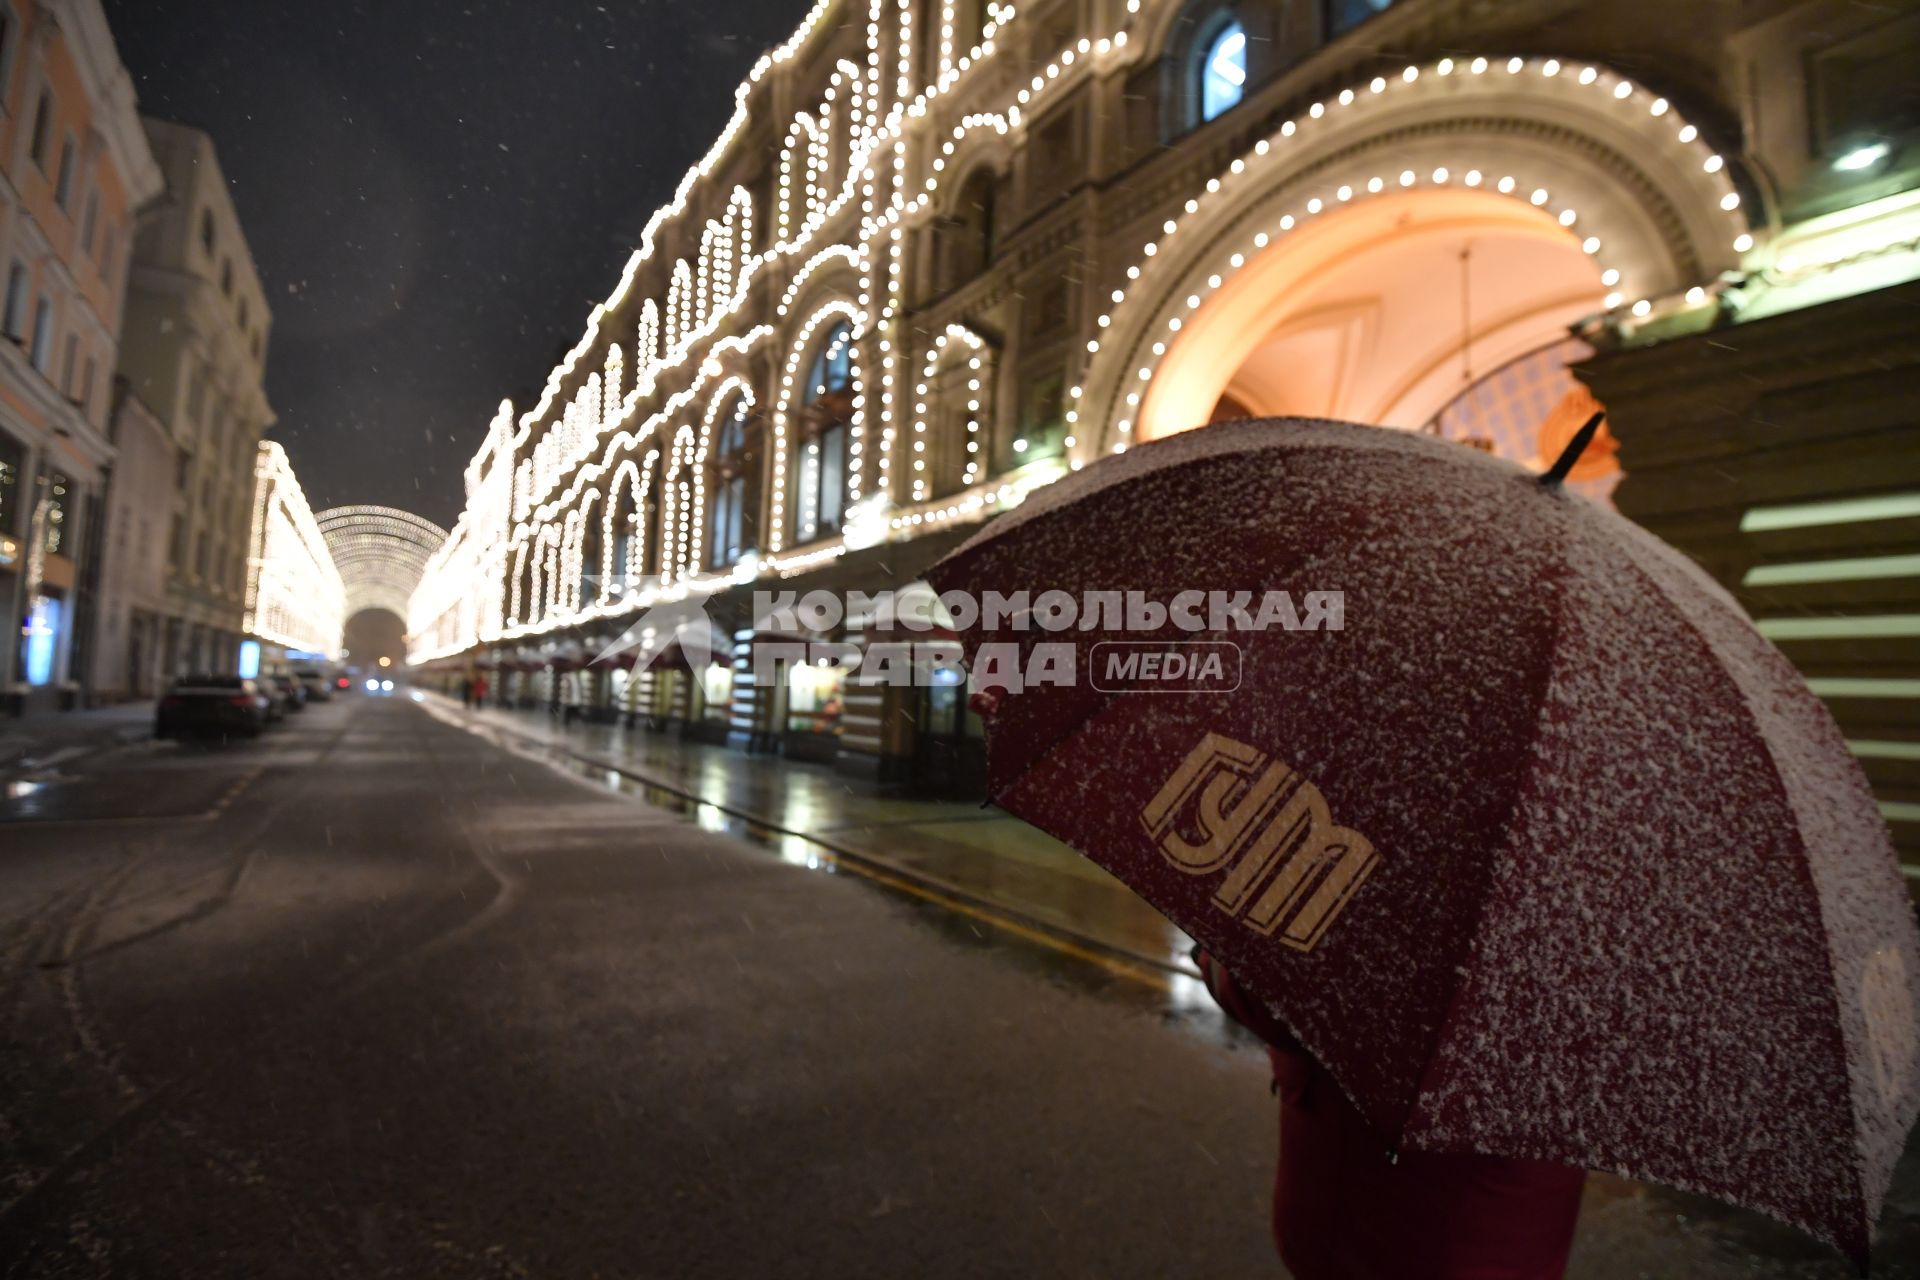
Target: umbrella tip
{"points": [[1571, 454]]}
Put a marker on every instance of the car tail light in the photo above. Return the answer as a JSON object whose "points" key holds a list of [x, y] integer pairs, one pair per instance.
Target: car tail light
{"points": [[241, 701], [342, 683], [169, 702]]}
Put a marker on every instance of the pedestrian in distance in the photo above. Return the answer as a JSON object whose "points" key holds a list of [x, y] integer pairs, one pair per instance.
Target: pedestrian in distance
{"points": [[466, 691]]}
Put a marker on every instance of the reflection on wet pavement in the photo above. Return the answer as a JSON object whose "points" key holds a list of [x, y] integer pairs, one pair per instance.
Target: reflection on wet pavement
{"points": [[978, 878], [984, 880], [968, 852], [149, 783]]}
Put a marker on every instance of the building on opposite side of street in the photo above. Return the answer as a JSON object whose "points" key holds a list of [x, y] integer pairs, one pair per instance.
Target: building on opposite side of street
{"points": [[947, 251], [195, 349], [131, 608], [77, 170], [296, 602]]}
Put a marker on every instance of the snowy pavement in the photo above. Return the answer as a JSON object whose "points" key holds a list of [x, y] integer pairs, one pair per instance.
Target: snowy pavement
{"points": [[373, 996]]}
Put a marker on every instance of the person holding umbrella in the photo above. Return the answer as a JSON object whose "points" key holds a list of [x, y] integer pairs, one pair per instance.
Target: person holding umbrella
{"points": [[1542, 860], [1346, 1207]]}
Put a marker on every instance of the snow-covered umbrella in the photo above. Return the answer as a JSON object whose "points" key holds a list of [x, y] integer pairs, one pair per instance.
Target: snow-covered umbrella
{"points": [[1543, 852]]}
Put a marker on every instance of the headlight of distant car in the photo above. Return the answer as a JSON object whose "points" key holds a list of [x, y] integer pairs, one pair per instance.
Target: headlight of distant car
{"points": [[373, 686], [386, 686]]}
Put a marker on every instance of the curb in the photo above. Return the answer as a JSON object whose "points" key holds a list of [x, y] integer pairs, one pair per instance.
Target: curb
{"points": [[1123, 959]]}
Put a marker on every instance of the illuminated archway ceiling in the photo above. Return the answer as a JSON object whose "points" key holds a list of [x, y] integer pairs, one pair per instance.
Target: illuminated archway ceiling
{"points": [[1382, 313], [381, 553]]}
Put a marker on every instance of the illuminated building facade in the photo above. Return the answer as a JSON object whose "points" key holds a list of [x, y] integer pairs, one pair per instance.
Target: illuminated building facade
{"points": [[296, 601], [195, 351], [947, 250], [76, 170]]}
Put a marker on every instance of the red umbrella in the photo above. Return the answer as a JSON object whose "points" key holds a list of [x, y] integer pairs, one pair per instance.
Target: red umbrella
{"points": [[1545, 853]]}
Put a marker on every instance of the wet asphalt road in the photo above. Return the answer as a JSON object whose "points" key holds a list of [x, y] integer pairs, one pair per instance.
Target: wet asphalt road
{"points": [[374, 997]]}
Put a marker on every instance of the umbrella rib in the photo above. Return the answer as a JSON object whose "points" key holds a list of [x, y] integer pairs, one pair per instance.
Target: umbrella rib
{"points": [[1462, 974]]}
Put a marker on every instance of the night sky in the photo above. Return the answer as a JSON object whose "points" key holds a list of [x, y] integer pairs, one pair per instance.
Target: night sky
{"points": [[436, 194]]}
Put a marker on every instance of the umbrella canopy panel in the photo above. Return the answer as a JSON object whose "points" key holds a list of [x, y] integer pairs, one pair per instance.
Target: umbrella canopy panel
{"points": [[1545, 852]]}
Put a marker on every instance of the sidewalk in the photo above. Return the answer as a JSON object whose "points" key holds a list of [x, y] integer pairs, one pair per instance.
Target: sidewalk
{"points": [[49, 737], [961, 850]]}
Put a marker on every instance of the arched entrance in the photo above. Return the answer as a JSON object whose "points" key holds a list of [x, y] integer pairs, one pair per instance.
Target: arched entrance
{"points": [[1411, 252], [1443, 310], [1380, 313]]}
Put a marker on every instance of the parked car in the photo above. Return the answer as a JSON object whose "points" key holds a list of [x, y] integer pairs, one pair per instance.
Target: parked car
{"points": [[276, 698], [296, 693], [212, 706], [317, 681]]}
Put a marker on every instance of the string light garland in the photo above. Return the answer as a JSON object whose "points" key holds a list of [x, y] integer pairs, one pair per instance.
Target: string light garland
{"points": [[380, 553], [976, 348], [1149, 348], [856, 171]]}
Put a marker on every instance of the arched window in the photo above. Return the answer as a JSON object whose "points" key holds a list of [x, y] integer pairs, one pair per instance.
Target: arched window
{"points": [[529, 583], [1221, 65], [652, 517], [626, 529], [950, 430], [590, 580], [730, 526], [552, 585], [833, 368], [964, 238], [820, 466]]}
